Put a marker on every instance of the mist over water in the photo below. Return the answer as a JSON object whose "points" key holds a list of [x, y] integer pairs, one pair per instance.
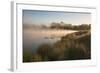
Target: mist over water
{"points": [[56, 35], [33, 38]]}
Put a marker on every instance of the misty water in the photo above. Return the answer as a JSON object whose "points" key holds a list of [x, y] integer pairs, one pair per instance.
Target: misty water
{"points": [[33, 38]]}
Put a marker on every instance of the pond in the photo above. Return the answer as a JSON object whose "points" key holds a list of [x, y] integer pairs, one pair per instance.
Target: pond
{"points": [[32, 38]]}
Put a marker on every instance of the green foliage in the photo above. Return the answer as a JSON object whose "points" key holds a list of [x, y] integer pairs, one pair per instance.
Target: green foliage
{"points": [[27, 56], [63, 25], [78, 45], [37, 57], [74, 46], [44, 51]]}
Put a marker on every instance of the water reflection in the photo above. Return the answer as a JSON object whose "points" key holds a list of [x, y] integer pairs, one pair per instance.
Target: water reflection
{"points": [[32, 38]]}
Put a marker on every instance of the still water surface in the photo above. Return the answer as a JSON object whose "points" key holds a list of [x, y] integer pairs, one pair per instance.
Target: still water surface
{"points": [[32, 38]]}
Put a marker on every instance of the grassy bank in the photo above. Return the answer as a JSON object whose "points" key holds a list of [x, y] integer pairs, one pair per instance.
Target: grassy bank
{"points": [[74, 46]]}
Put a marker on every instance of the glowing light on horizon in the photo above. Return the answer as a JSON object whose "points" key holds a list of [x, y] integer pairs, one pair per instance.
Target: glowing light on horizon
{"points": [[46, 17]]}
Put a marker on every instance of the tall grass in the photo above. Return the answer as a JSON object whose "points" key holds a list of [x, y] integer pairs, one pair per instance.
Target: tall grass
{"points": [[74, 46]]}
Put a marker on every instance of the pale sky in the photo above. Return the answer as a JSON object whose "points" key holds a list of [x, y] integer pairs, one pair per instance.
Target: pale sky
{"points": [[46, 17]]}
